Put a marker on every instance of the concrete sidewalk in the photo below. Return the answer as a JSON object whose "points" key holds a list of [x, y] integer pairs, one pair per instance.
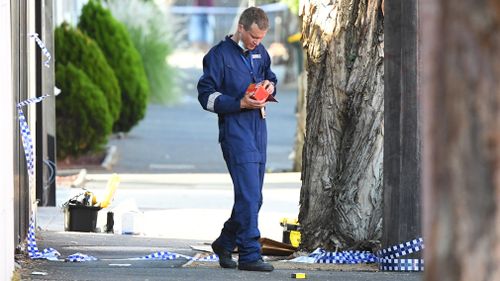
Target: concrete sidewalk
{"points": [[184, 210], [189, 206], [112, 251]]}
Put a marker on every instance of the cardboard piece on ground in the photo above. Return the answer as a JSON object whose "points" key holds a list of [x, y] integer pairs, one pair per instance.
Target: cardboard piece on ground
{"points": [[202, 248], [275, 248], [268, 247]]}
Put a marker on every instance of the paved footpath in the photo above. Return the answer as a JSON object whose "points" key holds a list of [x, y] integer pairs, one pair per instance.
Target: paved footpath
{"points": [[191, 210], [111, 249]]}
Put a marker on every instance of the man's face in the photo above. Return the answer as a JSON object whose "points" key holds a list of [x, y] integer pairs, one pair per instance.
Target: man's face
{"points": [[251, 38]]}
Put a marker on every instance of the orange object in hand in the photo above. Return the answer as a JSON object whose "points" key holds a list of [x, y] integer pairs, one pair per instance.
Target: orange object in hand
{"points": [[260, 93]]}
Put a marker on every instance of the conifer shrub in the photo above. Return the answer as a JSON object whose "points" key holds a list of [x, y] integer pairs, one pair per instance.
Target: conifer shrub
{"points": [[72, 46], [114, 40], [83, 120]]}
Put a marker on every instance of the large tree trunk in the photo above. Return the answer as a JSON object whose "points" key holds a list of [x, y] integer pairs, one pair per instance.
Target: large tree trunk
{"points": [[461, 159], [341, 197]]}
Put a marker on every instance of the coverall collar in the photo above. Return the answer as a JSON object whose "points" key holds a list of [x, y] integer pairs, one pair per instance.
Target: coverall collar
{"points": [[235, 44]]}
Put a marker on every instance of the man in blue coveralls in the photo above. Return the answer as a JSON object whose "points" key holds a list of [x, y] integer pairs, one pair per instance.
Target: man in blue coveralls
{"points": [[228, 69]]}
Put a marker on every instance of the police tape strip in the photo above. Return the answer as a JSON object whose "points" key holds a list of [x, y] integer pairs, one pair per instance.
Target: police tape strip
{"points": [[347, 257], [42, 46], [387, 259], [33, 252], [79, 257], [26, 134], [402, 249], [401, 264], [53, 255], [162, 256], [172, 256]]}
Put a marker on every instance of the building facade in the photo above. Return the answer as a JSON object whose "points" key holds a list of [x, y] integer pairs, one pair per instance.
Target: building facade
{"points": [[23, 76]]}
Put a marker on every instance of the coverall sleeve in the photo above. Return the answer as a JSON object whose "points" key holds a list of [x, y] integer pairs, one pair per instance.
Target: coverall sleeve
{"points": [[209, 96]]}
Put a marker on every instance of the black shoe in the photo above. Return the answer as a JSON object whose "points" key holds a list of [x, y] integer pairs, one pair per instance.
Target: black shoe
{"points": [[258, 265], [225, 258]]}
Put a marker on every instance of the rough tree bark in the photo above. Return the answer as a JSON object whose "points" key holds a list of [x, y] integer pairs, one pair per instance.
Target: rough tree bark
{"points": [[341, 194], [461, 159]]}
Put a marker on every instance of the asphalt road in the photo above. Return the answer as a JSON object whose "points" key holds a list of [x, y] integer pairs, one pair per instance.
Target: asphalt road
{"points": [[182, 138]]}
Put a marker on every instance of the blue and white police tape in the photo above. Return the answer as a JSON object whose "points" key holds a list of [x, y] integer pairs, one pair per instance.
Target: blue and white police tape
{"points": [[33, 252], [52, 254], [162, 256], [79, 257], [387, 259], [347, 257], [212, 257], [26, 134], [402, 249], [172, 256], [43, 47]]}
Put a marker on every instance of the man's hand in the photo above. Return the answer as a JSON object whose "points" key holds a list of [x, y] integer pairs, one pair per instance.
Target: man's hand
{"points": [[269, 86], [249, 103]]}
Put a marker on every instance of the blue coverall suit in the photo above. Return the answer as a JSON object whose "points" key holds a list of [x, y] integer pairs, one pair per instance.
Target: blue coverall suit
{"points": [[227, 72]]}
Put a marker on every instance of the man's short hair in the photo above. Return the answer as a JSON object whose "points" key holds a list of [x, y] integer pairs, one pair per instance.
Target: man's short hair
{"points": [[254, 15]]}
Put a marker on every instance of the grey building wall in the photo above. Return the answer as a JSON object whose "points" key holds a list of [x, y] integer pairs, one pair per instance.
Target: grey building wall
{"points": [[7, 148], [20, 70], [45, 111]]}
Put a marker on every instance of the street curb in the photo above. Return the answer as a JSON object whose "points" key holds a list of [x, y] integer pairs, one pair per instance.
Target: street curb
{"points": [[110, 158]]}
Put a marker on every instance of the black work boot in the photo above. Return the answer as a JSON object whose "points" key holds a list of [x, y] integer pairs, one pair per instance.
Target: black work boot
{"points": [[258, 265], [225, 258]]}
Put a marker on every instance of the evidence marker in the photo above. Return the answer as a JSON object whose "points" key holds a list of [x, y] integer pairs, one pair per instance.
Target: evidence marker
{"points": [[299, 275]]}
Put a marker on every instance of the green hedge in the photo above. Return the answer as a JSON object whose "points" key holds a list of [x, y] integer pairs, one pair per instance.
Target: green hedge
{"points": [[72, 46], [83, 120], [114, 40]]}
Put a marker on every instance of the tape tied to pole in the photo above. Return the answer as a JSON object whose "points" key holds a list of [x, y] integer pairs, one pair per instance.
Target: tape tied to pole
{"points": [[42, 46], [26, 133], [389, 260], [33, 252]]}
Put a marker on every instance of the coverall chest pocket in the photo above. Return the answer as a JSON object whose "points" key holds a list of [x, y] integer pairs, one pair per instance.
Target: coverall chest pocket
{"points": [[237, 78], [259, 70], [236, 74]]}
